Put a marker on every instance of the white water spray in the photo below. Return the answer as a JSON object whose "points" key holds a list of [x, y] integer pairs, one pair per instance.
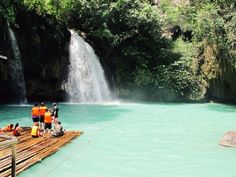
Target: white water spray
{"points": [[16, 70], [86, 81]]}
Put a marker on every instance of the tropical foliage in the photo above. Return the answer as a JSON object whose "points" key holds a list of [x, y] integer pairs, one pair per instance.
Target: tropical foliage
{"points": [[165, 44]]}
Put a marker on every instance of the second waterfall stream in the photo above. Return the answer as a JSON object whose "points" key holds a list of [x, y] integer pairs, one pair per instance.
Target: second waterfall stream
{"points": [[16, 70], [86, 81]]}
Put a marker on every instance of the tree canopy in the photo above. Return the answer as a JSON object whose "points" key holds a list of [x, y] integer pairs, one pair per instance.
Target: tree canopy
{"points": [[179, 46]]}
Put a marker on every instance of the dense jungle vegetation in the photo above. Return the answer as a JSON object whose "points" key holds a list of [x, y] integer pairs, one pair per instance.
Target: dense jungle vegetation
{"points": [[164, 48]]}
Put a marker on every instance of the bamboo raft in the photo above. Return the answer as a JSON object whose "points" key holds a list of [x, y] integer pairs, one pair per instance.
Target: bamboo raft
{"points": [[32, 150]]}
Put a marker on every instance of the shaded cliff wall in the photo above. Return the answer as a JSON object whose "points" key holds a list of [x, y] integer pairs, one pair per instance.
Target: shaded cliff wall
{"points": [[43, 43], [5, 83], [223, 87]]}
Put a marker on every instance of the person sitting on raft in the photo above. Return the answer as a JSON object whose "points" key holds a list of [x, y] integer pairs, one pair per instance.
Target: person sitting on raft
{"points": [[16, 130], [58, 130], [35, 131], [8, 128]]}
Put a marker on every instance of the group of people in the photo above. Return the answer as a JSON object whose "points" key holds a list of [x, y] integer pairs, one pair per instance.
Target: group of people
{"points": [[11, 128], [43, 118]]}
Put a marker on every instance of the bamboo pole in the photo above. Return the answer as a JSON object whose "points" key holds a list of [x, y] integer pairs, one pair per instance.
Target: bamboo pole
{"points": [[13, 161]]}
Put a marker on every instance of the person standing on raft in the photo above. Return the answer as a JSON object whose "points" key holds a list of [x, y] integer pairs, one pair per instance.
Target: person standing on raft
{"points": [[47, 121], [55, 111], [35, 113], [42, 110]]}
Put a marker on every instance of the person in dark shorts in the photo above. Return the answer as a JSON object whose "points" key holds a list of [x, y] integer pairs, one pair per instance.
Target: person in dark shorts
{"points": [[35, 113], [55, 111], [47, 121], [42, 110]]}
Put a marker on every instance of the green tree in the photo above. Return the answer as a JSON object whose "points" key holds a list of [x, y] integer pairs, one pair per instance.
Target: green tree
{"points": [[6, 10]]}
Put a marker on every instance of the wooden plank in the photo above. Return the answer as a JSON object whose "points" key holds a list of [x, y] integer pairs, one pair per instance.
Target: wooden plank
{"points": [[32, 150]]}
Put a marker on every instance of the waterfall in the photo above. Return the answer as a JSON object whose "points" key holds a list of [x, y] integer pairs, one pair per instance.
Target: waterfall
{"points": [[86, 81], [16, 70]]}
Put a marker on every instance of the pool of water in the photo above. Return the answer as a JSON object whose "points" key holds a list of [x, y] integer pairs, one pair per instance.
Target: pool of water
{"points": [[137, 140]]}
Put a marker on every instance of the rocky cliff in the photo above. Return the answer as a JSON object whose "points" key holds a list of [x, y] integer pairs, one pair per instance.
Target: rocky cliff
{"points": [[43, 43], [223, 87]]}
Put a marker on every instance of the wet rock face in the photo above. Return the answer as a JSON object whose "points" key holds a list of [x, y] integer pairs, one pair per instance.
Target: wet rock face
{"points": [[4, 79], [223, 87], [43, 44], [4, 84]]}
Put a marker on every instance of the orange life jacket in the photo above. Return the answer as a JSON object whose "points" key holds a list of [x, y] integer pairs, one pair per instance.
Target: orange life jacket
{"points": [[47, 117], [34, 131], [8, 128], [35, 111], [42, 110]]}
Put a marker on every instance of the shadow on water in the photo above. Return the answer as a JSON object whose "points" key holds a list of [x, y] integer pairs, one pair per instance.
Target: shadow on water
{"points": [[70, 114], [90, 113], [221, 107], [15, 114], [11, 111], [76, 115]]}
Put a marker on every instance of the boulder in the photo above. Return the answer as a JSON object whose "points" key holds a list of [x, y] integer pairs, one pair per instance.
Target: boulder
{"points": [[229, 139]]}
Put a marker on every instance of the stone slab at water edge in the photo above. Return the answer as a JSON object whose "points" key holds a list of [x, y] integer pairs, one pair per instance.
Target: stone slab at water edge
{"points": [[229, 139]]}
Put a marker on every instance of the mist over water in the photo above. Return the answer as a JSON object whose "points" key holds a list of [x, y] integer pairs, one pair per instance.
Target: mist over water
{"points": [[16, 70], [86, 81]]}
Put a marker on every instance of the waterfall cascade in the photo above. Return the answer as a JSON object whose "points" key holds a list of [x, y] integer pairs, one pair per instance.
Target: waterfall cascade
{"points": [[16, 70], [86, 81]]}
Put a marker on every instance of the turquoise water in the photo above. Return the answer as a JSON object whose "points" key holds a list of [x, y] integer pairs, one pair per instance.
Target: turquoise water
{"points": [[138, 140]]}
